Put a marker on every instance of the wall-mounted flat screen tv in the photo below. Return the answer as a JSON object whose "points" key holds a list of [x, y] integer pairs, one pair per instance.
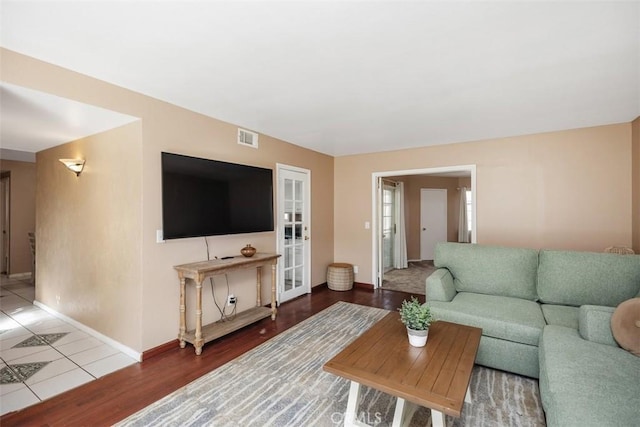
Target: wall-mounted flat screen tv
{"points": [[202, 197]]}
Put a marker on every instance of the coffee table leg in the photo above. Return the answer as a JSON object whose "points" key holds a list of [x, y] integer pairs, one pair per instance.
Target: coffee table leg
{"points": [[403, 413], [351, 416], [437, 418]]}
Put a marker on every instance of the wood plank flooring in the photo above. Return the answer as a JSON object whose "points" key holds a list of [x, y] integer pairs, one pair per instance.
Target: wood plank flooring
{"points": [[114, 397]]}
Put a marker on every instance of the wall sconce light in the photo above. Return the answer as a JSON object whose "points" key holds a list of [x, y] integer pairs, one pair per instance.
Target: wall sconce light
{"points": [[74, 165]]}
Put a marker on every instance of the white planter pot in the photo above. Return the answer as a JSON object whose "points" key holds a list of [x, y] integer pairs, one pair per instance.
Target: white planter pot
{"points": [[417, 338]]}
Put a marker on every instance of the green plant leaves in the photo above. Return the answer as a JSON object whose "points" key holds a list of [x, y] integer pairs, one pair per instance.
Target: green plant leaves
{"points": [[415, 315]]}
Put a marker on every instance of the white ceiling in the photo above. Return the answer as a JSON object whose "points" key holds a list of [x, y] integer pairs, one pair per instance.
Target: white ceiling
{"points": [[355, 77], [31, 121]]}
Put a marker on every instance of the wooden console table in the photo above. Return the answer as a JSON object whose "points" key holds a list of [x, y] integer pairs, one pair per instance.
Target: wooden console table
{"points": [[197, 272]]}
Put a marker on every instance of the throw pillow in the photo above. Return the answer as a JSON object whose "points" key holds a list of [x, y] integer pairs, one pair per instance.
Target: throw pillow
{"points": [[625, 325]]}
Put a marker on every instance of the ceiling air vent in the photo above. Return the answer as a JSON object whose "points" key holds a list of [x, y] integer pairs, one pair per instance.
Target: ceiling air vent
{"points": [[247, 138]]}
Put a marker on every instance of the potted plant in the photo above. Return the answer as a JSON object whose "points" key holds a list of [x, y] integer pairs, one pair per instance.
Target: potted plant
{"points": [[416, 317]]}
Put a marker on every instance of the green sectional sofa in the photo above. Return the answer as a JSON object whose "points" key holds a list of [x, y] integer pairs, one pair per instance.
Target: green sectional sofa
{"points": [[546, 314]]}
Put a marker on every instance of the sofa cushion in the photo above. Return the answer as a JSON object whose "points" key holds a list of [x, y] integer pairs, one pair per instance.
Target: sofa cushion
{"points": [[595, 324], [625, 325], [583, 383], [587, 278], [521, 359], [506, 318], [561, 315], [509, 272]]}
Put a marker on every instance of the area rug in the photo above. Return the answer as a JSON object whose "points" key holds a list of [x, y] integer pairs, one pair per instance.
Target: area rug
{"points": [[281, 383], [411, 279]]}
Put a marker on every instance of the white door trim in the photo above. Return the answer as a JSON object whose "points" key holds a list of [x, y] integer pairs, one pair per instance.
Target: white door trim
{"points": [[306, 287], [375, 176], [5, 240]]}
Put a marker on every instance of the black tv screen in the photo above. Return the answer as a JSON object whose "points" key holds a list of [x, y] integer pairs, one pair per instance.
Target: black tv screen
{"points": [[202, 197]]}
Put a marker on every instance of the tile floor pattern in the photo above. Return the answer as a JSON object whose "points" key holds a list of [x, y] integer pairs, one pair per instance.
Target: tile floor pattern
{"points": [[41, 355]]}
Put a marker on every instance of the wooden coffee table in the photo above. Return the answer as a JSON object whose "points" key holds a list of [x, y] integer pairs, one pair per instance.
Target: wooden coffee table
{"points": [[436, 376]]}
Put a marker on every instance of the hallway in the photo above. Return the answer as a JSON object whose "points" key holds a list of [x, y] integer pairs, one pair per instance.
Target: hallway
{"points": [[42, 356]]}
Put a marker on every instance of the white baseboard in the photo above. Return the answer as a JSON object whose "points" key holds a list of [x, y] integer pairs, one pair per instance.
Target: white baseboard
{"points": [[105, 339], [20, 276]]}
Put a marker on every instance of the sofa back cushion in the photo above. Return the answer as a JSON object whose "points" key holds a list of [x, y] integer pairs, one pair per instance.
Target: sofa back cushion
{"points": [[587, 278], [492, 270]]}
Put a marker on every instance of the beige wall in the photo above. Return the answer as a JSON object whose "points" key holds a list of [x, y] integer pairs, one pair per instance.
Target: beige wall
{"points": [[89, 232], [636, 184], [565, 190], [23, 213], [166, 127]]}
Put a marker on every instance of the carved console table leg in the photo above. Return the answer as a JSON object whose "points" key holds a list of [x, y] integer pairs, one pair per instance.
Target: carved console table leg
{"points": [[199, 341], [183, 312], [274, 310], [259, 286]]}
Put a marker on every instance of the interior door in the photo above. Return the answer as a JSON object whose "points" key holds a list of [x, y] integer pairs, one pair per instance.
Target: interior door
{"points": [[294, 231], [433, 220]]}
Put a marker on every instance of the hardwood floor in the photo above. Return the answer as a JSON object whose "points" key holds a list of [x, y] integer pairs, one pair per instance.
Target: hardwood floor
{"points": [[116, 396]]}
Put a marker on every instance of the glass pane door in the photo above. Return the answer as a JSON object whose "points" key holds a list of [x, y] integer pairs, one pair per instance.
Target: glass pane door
{"points": [[293, 188], [388, 226]]}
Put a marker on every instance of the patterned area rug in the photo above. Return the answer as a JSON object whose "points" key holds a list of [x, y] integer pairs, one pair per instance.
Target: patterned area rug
{"points": [[281, 383], [411, 279]]}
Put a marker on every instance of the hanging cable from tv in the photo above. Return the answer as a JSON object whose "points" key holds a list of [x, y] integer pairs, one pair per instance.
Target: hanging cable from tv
{"points": [[224, 316]]}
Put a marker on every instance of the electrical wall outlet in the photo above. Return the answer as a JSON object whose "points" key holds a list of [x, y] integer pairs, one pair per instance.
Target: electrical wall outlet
{"points": [[231, 299], [355, 269]]}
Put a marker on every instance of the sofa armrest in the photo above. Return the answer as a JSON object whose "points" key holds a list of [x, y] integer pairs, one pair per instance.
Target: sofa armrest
{"points": [[439, 286], [595, 324]]}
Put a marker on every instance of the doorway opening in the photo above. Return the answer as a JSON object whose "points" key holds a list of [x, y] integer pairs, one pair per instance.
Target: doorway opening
{"points": [[403, 217], [5, 218]]}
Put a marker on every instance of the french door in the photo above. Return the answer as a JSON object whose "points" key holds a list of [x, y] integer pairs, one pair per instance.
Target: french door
{"points": [[388, 226], [294, 232]]}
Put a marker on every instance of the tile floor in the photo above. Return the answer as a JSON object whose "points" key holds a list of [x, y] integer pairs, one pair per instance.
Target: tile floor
{"points": [[41, 355]]}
